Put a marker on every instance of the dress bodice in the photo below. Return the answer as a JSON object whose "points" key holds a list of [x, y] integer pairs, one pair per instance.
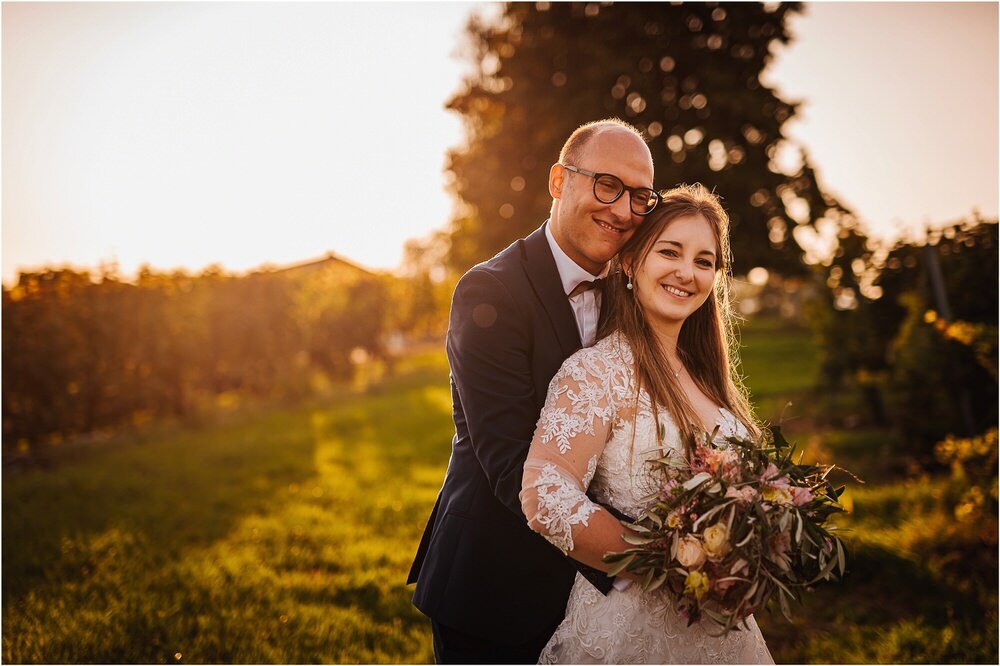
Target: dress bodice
{"points": [[599, 383], [596, 435]]}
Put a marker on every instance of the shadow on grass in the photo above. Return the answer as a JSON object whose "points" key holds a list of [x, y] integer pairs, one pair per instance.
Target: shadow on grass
{"points": [[888, 609], [169, 494]]}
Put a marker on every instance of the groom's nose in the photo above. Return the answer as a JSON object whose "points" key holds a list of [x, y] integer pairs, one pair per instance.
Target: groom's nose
{"points": [[622, 209]]}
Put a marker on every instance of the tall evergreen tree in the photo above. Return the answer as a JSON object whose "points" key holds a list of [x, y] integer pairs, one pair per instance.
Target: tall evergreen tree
{"points": [[688, 75]]}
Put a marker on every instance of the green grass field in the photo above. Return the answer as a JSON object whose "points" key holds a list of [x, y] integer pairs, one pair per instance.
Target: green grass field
{"points": [[285, 535]]}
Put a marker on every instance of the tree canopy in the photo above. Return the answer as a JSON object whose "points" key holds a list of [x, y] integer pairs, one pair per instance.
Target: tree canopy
{"points": [[687, 75]]}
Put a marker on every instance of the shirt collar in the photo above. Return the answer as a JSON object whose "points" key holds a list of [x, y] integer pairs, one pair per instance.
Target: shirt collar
{"points": [[570, 272]]}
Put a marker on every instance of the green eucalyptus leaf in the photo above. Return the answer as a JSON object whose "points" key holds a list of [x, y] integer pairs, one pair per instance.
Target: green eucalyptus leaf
{"points": [[783, 602], [621, 566], [648, 580], [657, 582], [825, 571], [637, 540], [696, 480]]}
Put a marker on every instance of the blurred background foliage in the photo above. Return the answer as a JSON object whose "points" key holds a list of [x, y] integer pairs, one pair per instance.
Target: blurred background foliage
{"points": [[888, 350], [688, 76], [924, 361], [88, 353]]}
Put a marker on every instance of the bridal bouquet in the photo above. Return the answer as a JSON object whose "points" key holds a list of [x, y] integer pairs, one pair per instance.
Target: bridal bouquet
{"points": [[734, 527]]}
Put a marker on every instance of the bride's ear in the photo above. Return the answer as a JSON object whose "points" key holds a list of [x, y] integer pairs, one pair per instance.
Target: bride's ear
{"points": [[626, 264]]}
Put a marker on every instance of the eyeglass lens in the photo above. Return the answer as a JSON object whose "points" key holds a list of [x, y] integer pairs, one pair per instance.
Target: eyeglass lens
{"points": [[608, 188]]}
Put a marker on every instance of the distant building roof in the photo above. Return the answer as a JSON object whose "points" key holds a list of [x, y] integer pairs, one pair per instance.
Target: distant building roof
{"points": [[327, 260]]}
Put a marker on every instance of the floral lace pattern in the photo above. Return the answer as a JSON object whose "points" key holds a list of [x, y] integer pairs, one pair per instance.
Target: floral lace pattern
{"points": [[627, 626], [561, 505], [597, 384], [633, 627]]}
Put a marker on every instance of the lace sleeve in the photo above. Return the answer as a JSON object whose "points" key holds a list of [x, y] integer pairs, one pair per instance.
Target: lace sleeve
{"points": [[570, 436]]}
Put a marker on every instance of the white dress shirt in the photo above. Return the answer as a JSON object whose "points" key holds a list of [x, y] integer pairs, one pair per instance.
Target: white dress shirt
{"points": [[586, 305]]}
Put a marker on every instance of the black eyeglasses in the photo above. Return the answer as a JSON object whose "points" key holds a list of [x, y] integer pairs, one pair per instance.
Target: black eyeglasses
{"points": [[608, 188]]}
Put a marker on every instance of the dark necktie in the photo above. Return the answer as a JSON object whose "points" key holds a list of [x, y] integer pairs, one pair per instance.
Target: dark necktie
{"points": [[586, 286]]}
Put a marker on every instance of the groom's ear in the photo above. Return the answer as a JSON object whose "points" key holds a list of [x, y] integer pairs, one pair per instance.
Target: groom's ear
{"points": [[557, 178]]}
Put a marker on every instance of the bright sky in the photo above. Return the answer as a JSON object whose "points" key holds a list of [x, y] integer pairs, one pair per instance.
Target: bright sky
{"points": [[188, 134], [900, 107], [245, 133]]}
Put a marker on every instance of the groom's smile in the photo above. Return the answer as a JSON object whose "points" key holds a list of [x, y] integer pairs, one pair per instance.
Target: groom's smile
{"points": [[610, 228]]}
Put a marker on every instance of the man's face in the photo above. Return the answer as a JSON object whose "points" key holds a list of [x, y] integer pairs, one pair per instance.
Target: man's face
{"points": [[589, 231]]}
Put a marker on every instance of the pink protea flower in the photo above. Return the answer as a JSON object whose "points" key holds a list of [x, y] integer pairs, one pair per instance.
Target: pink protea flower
{"points": [[801, 496], [701, 459], [699, 465], [770, 478], [721, 462], [744, 494]]}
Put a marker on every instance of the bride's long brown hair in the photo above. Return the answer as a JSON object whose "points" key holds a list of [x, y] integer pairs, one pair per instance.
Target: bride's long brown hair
{"points": [[706, 344]]}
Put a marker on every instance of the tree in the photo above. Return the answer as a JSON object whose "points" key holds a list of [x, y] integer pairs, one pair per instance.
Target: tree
{"points": [[880, 329], [688, 75]]}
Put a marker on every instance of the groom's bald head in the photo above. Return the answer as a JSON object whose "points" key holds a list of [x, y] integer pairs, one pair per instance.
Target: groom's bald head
{"points": [[584, 134]]}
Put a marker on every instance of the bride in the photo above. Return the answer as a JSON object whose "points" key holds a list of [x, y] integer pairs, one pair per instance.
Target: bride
{"points": [[662, 370]]}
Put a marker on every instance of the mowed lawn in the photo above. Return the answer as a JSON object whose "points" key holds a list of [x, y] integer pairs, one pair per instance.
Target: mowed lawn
{"points": [[284, 535]]}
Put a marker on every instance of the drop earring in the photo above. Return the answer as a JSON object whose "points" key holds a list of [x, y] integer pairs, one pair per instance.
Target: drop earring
{"points": [[628, 285]]}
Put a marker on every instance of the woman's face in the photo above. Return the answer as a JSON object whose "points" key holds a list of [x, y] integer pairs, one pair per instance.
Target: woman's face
{"points": [[678, 273]]}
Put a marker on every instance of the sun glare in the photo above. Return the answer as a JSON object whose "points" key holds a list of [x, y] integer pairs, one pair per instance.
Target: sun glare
{"points": [[183, 135], [189, 134]]}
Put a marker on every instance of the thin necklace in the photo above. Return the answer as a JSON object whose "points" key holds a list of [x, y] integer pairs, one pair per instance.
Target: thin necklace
{"points": [[680, 367]]}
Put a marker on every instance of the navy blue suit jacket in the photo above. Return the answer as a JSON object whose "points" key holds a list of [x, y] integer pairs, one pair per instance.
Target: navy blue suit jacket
{"points": [[479, 567]]}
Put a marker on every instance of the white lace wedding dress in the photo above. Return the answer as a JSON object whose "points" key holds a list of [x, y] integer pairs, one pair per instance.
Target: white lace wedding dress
{"points": [[573, 450]]}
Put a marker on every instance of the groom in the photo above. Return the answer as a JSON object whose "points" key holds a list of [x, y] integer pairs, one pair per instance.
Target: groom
{"points": [[494, 590]]}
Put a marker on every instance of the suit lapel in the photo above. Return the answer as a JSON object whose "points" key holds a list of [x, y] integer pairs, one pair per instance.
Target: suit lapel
{"points": [[544, 277]]}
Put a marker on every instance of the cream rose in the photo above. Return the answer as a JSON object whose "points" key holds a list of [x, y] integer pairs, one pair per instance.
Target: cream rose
{"points": [[716, 540], [690, 553]]}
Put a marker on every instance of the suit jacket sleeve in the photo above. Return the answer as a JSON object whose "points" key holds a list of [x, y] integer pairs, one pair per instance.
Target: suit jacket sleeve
{"points": [[489, 350]]}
